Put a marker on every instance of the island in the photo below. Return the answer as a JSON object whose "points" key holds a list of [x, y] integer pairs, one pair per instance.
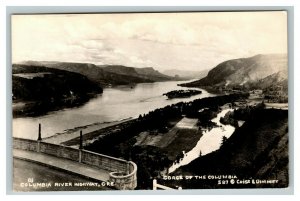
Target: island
{"points": [[182, 93]]}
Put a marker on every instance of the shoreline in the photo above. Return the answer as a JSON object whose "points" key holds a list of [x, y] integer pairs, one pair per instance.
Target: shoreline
{"points": [[73, 133], [200, 149], [101, 131], [38, 108]]}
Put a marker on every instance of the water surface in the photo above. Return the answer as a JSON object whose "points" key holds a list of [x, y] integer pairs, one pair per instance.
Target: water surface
{"points": [[209, 142], [113, 105]]}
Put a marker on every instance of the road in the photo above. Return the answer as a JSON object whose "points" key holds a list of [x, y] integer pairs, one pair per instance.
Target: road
{"points": [[25, 170]]}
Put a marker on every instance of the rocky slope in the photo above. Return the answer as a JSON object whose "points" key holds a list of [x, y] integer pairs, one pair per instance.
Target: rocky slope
{"points": [[247, 72]]}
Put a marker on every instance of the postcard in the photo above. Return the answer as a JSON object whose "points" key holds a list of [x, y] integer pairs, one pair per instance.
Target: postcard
{"points": [[150, 101]]}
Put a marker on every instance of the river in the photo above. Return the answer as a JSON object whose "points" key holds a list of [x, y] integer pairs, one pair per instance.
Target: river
{"points": [[209, 142], [114, 104]]}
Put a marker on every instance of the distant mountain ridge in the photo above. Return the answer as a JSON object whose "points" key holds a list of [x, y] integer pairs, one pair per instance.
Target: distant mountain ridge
{"points": [[186, 73], [256, 71], [106, 75], [144, 73]]}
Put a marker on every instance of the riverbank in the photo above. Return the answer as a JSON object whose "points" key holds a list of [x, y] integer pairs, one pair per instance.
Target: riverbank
{"points": [[71, 135], [210, 141], [42, 107], [101, 131]]}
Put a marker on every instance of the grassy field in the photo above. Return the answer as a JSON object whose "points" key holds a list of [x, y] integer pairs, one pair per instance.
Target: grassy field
{"points": [[183, 136]]}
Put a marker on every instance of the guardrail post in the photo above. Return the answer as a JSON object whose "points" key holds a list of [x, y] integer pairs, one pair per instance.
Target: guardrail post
{"points": [[80, 140], [80, 147], [40, 133], [154, 184], [38, 148]]}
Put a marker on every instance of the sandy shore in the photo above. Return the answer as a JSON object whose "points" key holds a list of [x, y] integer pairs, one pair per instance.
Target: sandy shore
{"points": [[75, 132]]}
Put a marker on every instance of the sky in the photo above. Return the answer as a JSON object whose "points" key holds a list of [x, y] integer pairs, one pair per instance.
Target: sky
{"points": [[184, 41]]}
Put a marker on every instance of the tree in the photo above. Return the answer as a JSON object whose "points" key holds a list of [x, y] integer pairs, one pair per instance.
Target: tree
{"points": [[224, 139]]}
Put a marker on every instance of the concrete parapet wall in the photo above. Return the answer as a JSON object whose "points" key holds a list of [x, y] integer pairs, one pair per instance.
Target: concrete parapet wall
{"points": [[125, 181], [104, 161], [25, 144], [59, 151], [123, 173]]}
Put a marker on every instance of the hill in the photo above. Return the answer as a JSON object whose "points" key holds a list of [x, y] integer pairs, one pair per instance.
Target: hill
{"points": [[147, 73], [106, 75], [43, 89], [246, 72]]}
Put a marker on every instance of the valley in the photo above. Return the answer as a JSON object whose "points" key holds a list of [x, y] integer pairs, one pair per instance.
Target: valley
{"points": [[220, 124]]}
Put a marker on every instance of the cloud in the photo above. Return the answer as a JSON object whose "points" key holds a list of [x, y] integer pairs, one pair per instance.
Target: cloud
{"points": [[172, 40]]}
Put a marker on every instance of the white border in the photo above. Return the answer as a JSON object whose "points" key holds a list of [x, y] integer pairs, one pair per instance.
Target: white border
{"points": [[5, 3]]}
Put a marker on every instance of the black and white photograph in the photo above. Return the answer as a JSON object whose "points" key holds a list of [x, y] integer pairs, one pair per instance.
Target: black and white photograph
{"points": [[150, 101]]}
